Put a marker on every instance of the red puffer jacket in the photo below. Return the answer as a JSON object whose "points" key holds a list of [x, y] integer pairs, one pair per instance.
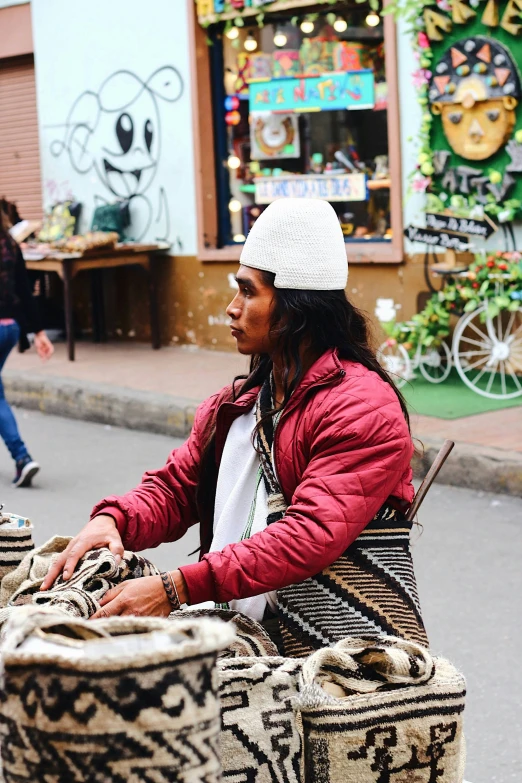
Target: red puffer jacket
{"points": [[342, 448]]}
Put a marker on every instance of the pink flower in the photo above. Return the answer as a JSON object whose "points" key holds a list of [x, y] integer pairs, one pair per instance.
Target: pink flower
{"points": [[444, 5], [423, 41], [420, 184], [420, 77]]}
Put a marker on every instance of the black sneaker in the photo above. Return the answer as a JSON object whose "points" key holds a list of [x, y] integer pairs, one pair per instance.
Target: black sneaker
{"points": [[26, 469]]}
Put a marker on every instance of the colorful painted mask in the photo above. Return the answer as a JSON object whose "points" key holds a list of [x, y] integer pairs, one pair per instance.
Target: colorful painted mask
{"points": [[476, 87]]}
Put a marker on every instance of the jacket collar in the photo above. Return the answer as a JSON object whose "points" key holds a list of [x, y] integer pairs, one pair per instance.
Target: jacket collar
{"points": [[325, 370]]}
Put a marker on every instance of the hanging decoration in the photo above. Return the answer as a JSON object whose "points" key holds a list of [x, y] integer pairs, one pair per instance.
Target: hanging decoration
{"points": [[214, 11], [286, 63], [469, 157], [260, 66], [274, 136], [475, 88], [232, 118]]}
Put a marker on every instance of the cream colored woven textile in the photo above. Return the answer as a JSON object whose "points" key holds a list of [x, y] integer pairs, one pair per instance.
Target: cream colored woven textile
{"points": [[16, 539], [382, 712], [251, 639], [119, 700], [260, 733], [95, 573]]}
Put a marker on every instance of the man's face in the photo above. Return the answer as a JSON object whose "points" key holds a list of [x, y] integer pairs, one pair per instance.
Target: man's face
{"points": [[250, 312], [478, 131]]}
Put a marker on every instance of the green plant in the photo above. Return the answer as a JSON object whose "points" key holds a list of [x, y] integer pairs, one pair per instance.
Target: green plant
{"points": [[495, 278], [427, 328]]}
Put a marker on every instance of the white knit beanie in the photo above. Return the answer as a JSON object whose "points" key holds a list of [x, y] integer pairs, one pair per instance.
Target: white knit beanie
{"points": [[300, 240]]}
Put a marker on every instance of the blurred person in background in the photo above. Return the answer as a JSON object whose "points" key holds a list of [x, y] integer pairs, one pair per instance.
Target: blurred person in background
{"points": [[18, 316]]}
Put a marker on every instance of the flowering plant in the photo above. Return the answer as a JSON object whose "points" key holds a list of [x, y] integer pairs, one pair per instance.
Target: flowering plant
{"points": [[427, 328], [495, 278]]}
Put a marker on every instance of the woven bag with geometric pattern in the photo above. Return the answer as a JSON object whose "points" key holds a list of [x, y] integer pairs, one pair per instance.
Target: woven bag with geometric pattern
{"points": [[261, 734], [122, 700], [369, 591], [382, 711], [16, 540], [251, 639]]}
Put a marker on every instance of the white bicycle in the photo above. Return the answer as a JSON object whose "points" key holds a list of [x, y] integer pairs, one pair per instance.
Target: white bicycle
{"points": [[486, 352], [434, 363]]}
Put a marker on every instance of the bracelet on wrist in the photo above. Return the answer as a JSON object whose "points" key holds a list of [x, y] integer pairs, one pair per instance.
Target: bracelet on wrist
{"points": [[171, 591]]}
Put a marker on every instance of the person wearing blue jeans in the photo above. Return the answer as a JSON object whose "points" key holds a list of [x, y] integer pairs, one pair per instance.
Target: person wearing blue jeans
{"points": [[18, 314], [9, 335]]}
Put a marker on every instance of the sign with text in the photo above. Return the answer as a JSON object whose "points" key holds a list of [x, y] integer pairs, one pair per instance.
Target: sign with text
{"points": [[344, 187], [328, 92], [435, 238], [475, 228]]}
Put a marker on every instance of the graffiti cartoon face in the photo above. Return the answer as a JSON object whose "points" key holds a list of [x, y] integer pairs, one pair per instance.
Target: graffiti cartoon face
{"points": [[475, 90], [117, 131], [129, 146]]}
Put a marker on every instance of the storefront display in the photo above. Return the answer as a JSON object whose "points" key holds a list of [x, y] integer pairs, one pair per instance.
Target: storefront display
{"points": [[300, 110]]}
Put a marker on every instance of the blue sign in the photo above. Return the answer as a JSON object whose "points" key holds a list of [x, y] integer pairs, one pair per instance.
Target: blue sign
{"points": [[329, 92]]}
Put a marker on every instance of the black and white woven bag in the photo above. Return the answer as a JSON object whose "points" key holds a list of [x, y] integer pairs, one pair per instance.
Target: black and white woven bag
{"points": [[123, 700]]}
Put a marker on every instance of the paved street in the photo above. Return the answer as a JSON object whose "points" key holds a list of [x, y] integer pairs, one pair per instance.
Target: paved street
{"points": [[468, 566]]}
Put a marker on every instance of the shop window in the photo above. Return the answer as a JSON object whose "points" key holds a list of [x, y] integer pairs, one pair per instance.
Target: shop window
{"points": [[301, 107]]}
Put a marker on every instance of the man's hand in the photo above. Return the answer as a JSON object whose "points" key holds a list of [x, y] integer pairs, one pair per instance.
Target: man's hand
{"points": [[99, 532], [145, 597]]}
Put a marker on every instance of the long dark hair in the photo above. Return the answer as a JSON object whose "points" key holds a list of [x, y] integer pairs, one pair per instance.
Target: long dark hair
{"points": [[318, 319]]}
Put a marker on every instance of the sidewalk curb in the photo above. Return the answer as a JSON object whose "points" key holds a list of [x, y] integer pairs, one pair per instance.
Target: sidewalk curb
{"points": [[470, 466], [474, 467], [101, 403]]}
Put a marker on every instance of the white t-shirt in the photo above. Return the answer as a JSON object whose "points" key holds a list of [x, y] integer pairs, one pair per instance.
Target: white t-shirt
{"points": [[239, 482]]}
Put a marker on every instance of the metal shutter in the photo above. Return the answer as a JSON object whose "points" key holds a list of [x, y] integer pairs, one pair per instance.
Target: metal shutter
{"points": [[19, 149]]}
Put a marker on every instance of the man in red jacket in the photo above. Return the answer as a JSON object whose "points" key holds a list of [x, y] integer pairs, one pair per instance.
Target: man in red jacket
{"points": [[298, 474]]}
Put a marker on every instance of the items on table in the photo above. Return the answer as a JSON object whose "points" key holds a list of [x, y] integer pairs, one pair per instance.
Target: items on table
{"points": [[83, 243]]}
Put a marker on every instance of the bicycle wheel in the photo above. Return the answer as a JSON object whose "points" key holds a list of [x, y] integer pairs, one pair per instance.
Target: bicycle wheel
{"points": [[395, 360], [435, 363], [488, 354]]}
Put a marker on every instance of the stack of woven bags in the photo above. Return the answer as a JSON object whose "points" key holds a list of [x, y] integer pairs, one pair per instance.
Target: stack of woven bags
{"points": [[203, 695]]}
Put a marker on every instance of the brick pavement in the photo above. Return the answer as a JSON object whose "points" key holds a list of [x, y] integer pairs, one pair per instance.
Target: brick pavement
{"points": [[194, 374]]}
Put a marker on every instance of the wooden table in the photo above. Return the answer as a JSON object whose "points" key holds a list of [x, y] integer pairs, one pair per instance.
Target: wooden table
{"points": [[68, 265]]}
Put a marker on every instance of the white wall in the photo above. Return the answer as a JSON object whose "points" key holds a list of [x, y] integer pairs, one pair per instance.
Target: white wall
{"points": [[410, 114], [114, 107]]}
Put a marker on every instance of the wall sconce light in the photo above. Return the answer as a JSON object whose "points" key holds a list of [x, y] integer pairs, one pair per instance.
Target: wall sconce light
{"points": [[280, 38], [340, 25], [235, 205], [233, 162], [250, 43], [232, 34]]}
